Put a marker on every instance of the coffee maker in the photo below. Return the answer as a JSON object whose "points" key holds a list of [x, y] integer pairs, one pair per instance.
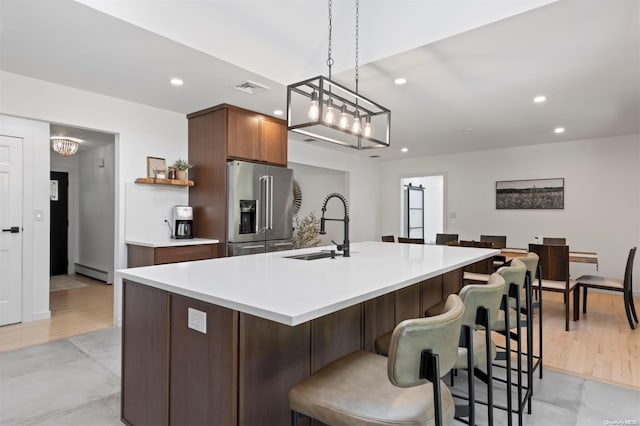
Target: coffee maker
{"points": [[182, 222]]}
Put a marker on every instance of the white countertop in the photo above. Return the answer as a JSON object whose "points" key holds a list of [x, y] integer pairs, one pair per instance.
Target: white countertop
{"points": [[170, 242], [293, 291]]}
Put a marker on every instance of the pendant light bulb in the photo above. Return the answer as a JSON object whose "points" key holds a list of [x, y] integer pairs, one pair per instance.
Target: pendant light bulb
{"points": [[357, 125], [330, 115], [344, 120], [367, 127], [314, 108]]}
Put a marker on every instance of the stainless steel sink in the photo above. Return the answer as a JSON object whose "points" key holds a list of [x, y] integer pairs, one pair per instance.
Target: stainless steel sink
{"points": [[312, 256]]}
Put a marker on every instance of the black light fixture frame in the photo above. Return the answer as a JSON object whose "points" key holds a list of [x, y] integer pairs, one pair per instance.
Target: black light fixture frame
{"points": [[326, 88]]}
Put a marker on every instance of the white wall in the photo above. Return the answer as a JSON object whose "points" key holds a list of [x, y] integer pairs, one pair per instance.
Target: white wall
{"points": [[602, 197], [315, 184], [147, 208], [97, 209], [362, 188], [141, 131]]}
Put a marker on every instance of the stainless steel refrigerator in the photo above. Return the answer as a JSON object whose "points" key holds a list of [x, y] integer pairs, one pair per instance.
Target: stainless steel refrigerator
{"points": [[260, 203]]}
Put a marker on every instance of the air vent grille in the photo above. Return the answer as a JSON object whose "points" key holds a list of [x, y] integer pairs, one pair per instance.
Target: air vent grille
{"points": [[251, 87]]}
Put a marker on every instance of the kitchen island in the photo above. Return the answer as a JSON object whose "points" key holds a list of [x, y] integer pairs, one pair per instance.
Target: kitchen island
{"points": [[270, 322]]}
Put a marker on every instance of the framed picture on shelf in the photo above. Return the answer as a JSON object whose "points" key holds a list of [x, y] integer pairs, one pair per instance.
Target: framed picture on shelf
{"points": [[156, 167], [530, 194]]}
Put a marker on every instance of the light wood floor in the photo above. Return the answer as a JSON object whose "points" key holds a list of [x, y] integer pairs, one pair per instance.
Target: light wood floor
{"points": [[73, 312], [601, 346]]}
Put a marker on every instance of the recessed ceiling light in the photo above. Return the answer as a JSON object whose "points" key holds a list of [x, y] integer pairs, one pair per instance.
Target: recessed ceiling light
{"points": [[540, 99], [177, 82], [559, 130], [400, 81], [405, 150], [277, 112]]}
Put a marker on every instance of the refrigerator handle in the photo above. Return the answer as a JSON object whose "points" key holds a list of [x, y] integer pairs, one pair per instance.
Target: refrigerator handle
{"points": [[270, 180], [264, 196]]}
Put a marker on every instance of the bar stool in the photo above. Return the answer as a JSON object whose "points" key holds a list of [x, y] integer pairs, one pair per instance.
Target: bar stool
{"points": [[531, 261], [514, 276], [481, 306], [363, 388]]}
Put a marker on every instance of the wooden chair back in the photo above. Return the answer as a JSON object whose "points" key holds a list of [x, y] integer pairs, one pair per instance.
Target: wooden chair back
{"points": [[499, 241], [388, 239], [554, 241], [483, 266], [445, 239], [554, 261], [411, 240]]}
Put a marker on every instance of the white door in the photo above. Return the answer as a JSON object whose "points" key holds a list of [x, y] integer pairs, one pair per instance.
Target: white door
{"points": [[11, 226]]}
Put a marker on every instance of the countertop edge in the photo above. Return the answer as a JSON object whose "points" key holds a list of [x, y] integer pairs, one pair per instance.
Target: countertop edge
{"points": [[171, 243], [294, 320]]}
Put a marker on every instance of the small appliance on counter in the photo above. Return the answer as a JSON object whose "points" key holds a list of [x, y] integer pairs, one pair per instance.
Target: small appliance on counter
{"points": [[182, 217]]}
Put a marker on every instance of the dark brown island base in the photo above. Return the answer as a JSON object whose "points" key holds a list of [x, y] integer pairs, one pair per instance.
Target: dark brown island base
{"points": [[241, 370]]}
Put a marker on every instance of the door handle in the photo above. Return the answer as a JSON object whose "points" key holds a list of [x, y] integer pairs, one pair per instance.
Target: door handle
{"points": [[13, 229], [270, 183]]}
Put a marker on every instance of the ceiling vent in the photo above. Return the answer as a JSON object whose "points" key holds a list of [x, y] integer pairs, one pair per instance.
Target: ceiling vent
{"points": [[251, 87]]}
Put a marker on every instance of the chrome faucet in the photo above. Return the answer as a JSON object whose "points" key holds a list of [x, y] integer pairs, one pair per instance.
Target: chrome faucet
{"points": [[344, 247]]}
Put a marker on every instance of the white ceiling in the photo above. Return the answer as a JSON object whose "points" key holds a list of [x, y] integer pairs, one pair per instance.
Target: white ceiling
{"points": [[472, 67]]}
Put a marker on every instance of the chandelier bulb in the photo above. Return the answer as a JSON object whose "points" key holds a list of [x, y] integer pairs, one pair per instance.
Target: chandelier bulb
{"points": [[314, 108], [344, 120], [357, 125], [367, 127], [330, 115]]}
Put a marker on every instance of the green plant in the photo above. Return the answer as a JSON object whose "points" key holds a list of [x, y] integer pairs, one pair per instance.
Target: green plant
{"points": [[182, 165]]}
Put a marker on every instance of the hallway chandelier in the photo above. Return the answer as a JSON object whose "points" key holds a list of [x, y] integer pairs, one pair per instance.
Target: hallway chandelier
{"points": [[323, 109], [65, 146]]}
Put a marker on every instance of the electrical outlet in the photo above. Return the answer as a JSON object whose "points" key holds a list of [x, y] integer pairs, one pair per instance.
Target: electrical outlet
{"points": [[197, 320]]}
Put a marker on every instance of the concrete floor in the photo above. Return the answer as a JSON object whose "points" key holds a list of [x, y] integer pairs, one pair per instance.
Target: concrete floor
{"points": [[76, 381]]}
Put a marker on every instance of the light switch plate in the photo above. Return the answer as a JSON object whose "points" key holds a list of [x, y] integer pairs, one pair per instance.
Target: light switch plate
{"points": [[197, 320]]}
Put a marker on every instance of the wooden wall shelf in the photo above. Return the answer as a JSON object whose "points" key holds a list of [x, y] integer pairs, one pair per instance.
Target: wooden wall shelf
{"points": [[155, 181]]}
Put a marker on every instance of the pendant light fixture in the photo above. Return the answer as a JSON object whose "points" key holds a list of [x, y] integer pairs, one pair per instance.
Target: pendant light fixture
{"points": [[65, 146], [322, 109]]}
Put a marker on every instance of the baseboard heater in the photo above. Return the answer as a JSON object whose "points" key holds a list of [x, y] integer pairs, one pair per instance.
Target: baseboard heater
{"points": [[92, 272]]}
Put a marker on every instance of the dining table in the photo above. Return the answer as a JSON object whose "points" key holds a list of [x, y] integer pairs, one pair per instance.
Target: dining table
{"points": [[511, 253]]}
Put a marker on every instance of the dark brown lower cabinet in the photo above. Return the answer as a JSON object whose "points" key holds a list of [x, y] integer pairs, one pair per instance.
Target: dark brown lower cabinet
{"points": [[203, 366], [273, 358], [241, 370], [145, 355]]}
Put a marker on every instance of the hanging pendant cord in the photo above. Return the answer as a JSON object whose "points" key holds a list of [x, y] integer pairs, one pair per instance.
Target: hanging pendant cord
{"points": [[357, 41], [329, 58]]}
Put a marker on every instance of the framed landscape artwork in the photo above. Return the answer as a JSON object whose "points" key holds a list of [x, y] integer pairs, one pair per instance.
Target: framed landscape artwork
{"points": [[530, 194]]}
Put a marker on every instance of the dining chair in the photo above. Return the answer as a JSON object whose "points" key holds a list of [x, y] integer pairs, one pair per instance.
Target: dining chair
{"points": [[411, 240], [445, 239], [364, 388], [554, 264], [484, 266], [554, 241], [388, 239], [499, 241], [625, 286]]}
